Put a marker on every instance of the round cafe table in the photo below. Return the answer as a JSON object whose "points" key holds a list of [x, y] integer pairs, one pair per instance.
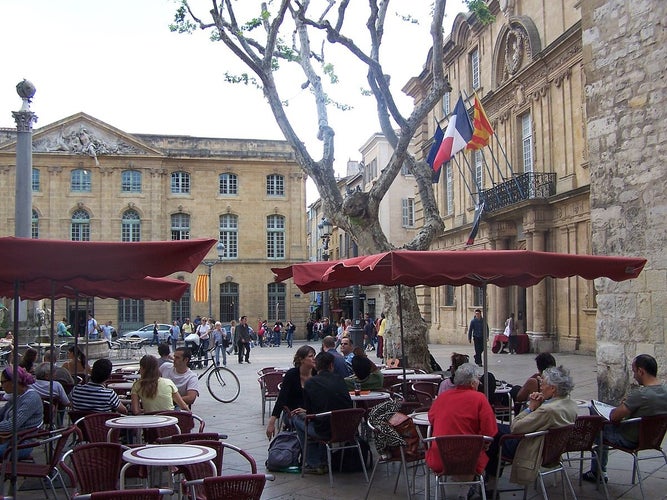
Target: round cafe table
{"points": [[140, 422], [368, 396], [165, 455], [423, 377], [420, 419], [396, 371]]}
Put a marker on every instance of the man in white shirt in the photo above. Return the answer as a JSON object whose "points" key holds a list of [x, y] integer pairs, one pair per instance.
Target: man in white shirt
{"points": [[186, 380], [91, 329]]}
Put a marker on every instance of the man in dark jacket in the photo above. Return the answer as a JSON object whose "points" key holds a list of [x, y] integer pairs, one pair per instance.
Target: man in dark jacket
{"points": [[476, 333], [242, 334], [324, 392]]}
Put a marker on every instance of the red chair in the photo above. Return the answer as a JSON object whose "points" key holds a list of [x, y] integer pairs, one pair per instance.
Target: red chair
{"points": [[555, 444], [651, 433], [503, 460], [583, 438], [344, 426], [238, 487], [397, 454], [149, 494], [186, 423], [194, 436], [268, 385], [95, 466], [459, 455], [48, 471], [430, 388], [94, 428]]}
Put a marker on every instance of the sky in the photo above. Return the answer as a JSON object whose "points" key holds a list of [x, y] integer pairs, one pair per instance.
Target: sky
{"points": [[118, 62]]}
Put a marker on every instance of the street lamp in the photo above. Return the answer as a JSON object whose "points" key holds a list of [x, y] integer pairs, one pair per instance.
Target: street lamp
{"points": [[220, 248], [326, 228]]}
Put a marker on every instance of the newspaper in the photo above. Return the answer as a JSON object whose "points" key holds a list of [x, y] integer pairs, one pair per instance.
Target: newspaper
{"points": [[602, 409]]}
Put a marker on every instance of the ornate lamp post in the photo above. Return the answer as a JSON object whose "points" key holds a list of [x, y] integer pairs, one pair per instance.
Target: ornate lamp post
{"points": [[23, 199], [326, 228], [220, 248]]}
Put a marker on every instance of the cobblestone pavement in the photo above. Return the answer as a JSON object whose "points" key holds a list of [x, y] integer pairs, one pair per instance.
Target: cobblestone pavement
{"points": [[242, 422]]}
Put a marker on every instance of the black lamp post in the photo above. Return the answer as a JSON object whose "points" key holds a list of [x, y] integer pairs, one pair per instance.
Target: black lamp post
{"points": [[326, 228], [220, 248]]}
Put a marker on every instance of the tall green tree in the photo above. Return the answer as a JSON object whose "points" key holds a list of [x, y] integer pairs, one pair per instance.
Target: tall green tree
{"points": [[291, 35]]}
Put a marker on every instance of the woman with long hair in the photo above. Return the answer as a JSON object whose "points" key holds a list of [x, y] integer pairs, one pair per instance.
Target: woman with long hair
{"points": [[291, 389], [155, 393], [76, 362], [28, 360]]}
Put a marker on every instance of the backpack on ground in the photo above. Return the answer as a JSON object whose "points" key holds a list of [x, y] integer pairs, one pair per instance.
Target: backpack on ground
{"points": [[351, 460], [284, 453]]}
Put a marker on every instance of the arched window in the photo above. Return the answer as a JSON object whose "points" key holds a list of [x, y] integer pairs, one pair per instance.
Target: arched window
{"points": [[80, 181], [130, 181], [180, 183], [180, 227], [275, 237], [228, 184], [80, 228], [229, 235], [275, 185], [130, 229], [34, 229]]}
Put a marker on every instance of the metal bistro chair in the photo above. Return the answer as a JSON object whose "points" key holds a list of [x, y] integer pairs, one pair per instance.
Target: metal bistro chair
{"points": [[583, 439], [269, 386], [652, 431], [344, 426], [94, 466], [504, 461], [459, 455], [555, 444], [397, 454], [237, 487]]}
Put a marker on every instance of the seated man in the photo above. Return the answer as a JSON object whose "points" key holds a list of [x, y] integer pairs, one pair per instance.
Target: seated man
{"points": [[551, 408], [329, 345], [648, 399], [179, 373], [324, 392], [347, 350], [93, 396]]}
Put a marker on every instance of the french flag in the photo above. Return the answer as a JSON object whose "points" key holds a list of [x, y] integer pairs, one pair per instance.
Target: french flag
{"points": [[457, 135]]}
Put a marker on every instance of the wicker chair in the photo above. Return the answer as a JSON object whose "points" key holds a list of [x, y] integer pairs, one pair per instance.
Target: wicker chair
{"points": [[149, 494], [555, 444], [583, 438], [238, 487], [94, 466], [269, 386]]}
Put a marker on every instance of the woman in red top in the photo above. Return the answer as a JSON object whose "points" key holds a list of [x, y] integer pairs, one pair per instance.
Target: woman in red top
{"points": [[462, 410]]}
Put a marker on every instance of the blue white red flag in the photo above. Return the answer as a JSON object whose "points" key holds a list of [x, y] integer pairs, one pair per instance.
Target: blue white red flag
{"points": [[457, 135], [437, 140]]}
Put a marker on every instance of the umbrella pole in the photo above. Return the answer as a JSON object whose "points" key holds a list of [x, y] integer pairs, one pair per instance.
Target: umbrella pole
{"points": [[485, 329], [403, 357], [15, 371]]}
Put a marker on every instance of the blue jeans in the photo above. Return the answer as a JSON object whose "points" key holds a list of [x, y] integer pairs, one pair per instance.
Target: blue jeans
{"points": [[288, 337], [611, 433], [317, 453], [23, 454], [174, 344], [218, 349]]}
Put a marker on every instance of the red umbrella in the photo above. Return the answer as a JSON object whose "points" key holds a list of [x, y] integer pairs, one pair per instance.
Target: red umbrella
{"points": [[460, 267], [145, 288], [24, 258]]}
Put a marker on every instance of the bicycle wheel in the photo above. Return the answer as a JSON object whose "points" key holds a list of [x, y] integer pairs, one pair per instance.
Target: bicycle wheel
{"points": [[223, 384]]}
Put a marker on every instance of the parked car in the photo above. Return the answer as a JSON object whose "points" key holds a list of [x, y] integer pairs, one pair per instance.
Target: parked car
{"points": [[146, 332]]}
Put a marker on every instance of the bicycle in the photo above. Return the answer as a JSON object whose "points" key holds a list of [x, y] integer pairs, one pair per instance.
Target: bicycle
{"points": [[222, 383]]}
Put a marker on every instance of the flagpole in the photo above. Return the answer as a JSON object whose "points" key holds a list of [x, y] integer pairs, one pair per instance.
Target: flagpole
{"points": [[464, 178]]}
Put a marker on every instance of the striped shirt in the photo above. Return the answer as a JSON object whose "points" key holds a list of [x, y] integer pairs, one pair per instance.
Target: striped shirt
{"points": [[94, 397]]}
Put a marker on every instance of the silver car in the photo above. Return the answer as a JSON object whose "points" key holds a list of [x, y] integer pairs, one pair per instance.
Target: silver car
{"points": [[146, 332]]}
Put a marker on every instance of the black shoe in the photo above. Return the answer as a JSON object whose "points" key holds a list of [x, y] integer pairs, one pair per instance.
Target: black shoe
{"points": [[247, 361], [592, 477]]}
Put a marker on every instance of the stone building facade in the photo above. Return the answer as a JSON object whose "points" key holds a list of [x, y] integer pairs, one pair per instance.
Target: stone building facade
{"points": [[534, 178], [94, 182], [625, 55]]}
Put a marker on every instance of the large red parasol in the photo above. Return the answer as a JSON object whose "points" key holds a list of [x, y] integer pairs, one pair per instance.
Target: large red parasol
{"points": [[459, 267]]}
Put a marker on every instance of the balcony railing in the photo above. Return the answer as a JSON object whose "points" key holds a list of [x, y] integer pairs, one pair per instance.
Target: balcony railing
{"points": [[528, 186]]}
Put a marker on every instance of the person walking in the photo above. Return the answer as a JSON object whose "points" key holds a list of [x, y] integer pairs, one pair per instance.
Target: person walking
{"points": [[510, 331], [289, 336], [174, 335], [220, 343], [242, 333], [155, 340], [476, 333]]}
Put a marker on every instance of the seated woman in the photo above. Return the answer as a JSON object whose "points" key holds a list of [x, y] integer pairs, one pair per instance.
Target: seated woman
{"points": [[28, 360], [156, 393], [29, 409], [291, 388], [462, 410], [458, 360], [543, 361], [76, 363], [548, 409], [366, 373]]}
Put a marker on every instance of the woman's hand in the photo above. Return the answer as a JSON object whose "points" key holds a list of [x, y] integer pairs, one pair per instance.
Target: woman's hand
{"points": [[535, 400]]}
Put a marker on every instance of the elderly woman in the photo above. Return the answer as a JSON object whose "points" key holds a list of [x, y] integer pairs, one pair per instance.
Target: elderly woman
{"points": [[29, 409], [461, 410], [156, 393], [291, 388], [550, 408]]}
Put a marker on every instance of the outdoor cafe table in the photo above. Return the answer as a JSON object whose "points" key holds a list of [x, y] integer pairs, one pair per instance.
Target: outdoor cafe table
{"points": [[128, 369], [166, 455], [420, 419], [140, 422], [422, 377], [396, 371]]}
